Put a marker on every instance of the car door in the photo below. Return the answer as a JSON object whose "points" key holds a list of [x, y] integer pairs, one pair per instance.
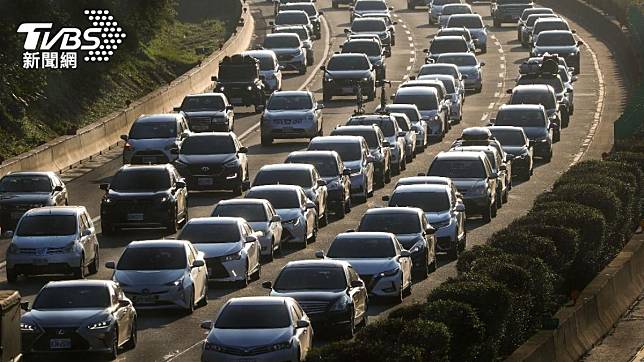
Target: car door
{"points": [[84, 238], [60, 195], [367, 165], [309, 214], [491, 181], [357, 294], [92, 239], [321, 191], [180, 193], [195, 273], [242, 156], [405, 264], [124, 313], [275, 227]]}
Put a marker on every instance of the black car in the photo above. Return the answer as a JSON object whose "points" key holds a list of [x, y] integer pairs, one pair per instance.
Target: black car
{"points": [[239, 79], [543, 95], [372, 49], [21, 191], [344, 73], [144, 196], [517, 145], [330, 292], [539, 129], [213, 161], [207, 112], [311, 10], [331, 169], [508, 11], [379, 151], [560, 42]]}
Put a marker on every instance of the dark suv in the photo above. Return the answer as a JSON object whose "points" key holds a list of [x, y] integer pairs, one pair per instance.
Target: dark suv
{"points": [[508, 11], [144, 196], [345, 72], [207, 112], [239, 79]]}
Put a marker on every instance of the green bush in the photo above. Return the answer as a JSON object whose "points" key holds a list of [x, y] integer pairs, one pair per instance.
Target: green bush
{"points": [[566, 239], [515, 241], [635, 158], [469, 257]]}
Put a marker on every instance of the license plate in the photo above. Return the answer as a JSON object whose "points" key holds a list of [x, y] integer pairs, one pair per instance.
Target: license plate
{"points": [[235, 100], [135, 217], [16, 215], [60, 343], [204, 181], [148, 159], [347, 90], [146, 299], [201, 127], [40, 261], [41, 251]]}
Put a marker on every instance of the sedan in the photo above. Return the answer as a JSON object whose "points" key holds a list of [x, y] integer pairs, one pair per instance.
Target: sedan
{"points": [[474, 23], [289, 115], [79, 316], [469, 66], [162, 274], [516, 144], [261, 328], [410, 135]]}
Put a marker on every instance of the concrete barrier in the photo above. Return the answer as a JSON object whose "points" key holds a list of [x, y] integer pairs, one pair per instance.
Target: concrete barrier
{"points": [[65, 151], [596, 311]]}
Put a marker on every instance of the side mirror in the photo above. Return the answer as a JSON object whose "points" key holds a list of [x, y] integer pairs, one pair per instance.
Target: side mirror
{"points": [[310, 205], [230, 107], [86, 232], [303, 324], [8, 234], [323, 68], [320, 106], [391, 8], [482, 64], [243, 149], [554, 126], [214, 78], [357, 283], [430, 230], [104, 186], [206, 325], [580, 43], [346, 172], [405, 254], [124, 137], [508, 91], [251, 238], [412, 77], [271, 23], [24, 306], [394, 23], [386, 198], [267, 284], [181, 184], [276, 218], [386, 143], [425, 50], [319, 254], [421, 174], [321, 183], [110, 265], [492, 121], [184, 135], [58, 188], [198, 263], [320, 13], [574, 79], [347, 31], [448, 97], [176, 109], [460, 207]]}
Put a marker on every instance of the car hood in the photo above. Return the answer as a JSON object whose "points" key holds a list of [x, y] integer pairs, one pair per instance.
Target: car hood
{"points": [[563, 50], [535, 132], [207, 159], [288, 214], [354, 166], [25, 198], [63, 317], [369, 266], [205, 114], [375, 60], [151, 143], [408, 240], [306, 295], [465, 184], [514, 150], [349, 74], [43, 241], [138, 195], [147, 277], [433, 217], [428, 113], [213, 250], [248, 338], [287, 114]]}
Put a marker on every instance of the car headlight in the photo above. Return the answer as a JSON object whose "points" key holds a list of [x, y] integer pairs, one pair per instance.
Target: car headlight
{"points": [[28, 327], [231, 163], [439, 224], [176, 283], [341, 304], [107, 200], [13, 249], [163, 199], [365, 79], [295, 221], [418, 247], [100, 325], [573, 54], [249, 88], [231, 257], [388, 273], [280, 346]]}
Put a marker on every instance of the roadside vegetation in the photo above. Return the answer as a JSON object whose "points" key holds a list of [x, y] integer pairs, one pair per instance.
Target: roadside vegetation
{"points": [[165, 38]]}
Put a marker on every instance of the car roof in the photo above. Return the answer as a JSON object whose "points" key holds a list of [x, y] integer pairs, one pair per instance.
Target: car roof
{"points": [[243, 201], [422, 188], [313, 153], [446, 38], [56, 210], [422, 82], [337, 139], [159, 167], [506, 128], [292, 188], [460, 54], [536, 88], [432, 179], [325, 263], [206, 95], [291, 12], [291, 93], [157, 243], [466, 16], [417, 90], [521, 106], [474, 149], [79, 283], [401, 106], [556, 32], [32, 173], [365, 235], [259, 53], [554, 19], [276, 35], [287, 166], [437, 77], [216, 220], [394, 210], [349, 55], [212, 134], [259, 301], [161, 117], [467, 155]]}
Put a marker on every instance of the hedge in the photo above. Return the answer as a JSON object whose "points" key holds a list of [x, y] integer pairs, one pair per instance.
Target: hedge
{"points": [[515, 241], [566, 240]]}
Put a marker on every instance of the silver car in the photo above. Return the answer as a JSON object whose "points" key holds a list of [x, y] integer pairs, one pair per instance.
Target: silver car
{"points": [[55, 239], [289, 115], [429, 106], [469, 66], [410, 135], [502, 169], [444, 68], [453, 9], [269, 68], [305, 38], [376, 26], [436, 9], [455, 93], [229, 245], [392, 133], [162, 274], [153, 138], [473, 23], [261, 328], [418, 124], [361, 7], [289, 50], [261, 216], [292, 17]]}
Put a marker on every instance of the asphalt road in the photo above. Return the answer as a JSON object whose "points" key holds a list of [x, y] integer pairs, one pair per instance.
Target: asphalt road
{"points": [[168, 335]]}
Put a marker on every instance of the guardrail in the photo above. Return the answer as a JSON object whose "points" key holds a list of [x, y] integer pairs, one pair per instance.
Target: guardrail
{"points": [[65, 151]]}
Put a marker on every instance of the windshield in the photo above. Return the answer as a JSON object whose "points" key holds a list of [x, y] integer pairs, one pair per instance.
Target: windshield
{"points": [[354, 248], [326, 166], [311, 279], [250, 212], [555, 39], [348, 151], [458, 60], [368, 25], [47, 225], [448, 83], [147, 130], [395, 223], [369, 135], [520, 118], [153, 258], [73, 297], [534, 11], [237, 73], [402, 123], [140, 180], [289, 102], [201, 103], [348, 63], [411, 113], [457, 169], [287, 18], [283, 177], [456, 9], [254, 316], [370, 5], [533, 18], [370, 48], [428, 201], [424, 101], [546, 99], [386, 126], [470, 22], [265, 62], [211, 233], [455, 32], [283, 41], [508, 138], [280, 199], [554, 82], [300, 31], [448, 46], [25, 183], [208, 145], [438, 69]]}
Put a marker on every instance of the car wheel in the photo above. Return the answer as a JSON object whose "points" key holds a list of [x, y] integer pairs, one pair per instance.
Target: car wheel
{"points": [[271, 255], [12, 276], [93, 268], [484, 49], [401, 293], [258, 273], [452, 254], [173, 224], [499, 199], [388, 176], [334, 5], [350, 330], [191, 302], [324, 220], [204, 301], [131, 342], [237, 189], [107, 229], [314, 236], [434, 265], [244, 282], [423, 271], [495, 210], [302, 69], [79, 273], [548, 158], [487, 214], [506, 194], [403, 164]]}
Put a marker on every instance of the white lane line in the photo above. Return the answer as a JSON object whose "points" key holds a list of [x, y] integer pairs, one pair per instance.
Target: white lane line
{"points": [[502, 66], [410, 38], [497, 95], [405, 76], [3, 264], [484, 117], [502, 74], [173, 357], [404, 26], [411, 45], [500, 50], [408, 68], [502, 57], [499, 85], [490, 106], [407, 32], [412, 59], [413, 52], [496, 42]]}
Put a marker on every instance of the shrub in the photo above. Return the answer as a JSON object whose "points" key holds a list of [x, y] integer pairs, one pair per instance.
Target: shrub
{"points": [[566, 239], [515, 241], [469, 257], [635, 158]]}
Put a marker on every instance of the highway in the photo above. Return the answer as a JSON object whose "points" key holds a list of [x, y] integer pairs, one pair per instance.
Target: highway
{"points": [[171, 336]]}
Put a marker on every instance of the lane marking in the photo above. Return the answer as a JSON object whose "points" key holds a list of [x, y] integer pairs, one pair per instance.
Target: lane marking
{"points": [[408, 68], [3, 264], [172, 358], [413, 52], [411, 45], [502, 66], [484, 117], [491, 105], [499, 85], [407, 32], [496, 94], [412, 59], [500, 50], [410, 39], [502, 57], [404, 26], [502, 74]]}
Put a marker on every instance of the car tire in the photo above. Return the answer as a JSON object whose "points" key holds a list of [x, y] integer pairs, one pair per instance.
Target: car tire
{"points": [[411, 6], [93, 267], [495, 209], [499, 200], [267, 141], [244, 282], [271, 255], [548, 158], [79, 273], [487, 214], [258, 273], [204, 301], [131, 342], [191, 303], [173, 224], [326, 97], [423, 271], [107, 229], [12, 276], [506, 194], [314, 237], [527, 175], [453, 252], [237, 189], [565, 119], [403, 165], [334, 5]]}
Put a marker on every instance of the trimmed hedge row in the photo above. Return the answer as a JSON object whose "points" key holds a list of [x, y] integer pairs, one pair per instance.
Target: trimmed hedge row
{"points": [[523, 274]]}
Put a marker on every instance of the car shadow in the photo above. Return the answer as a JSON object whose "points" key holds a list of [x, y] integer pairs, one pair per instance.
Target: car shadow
{"points": [[278, 146]]}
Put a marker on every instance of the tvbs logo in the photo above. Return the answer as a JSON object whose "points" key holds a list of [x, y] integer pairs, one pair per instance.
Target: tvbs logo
{"points": [[59, 50]]}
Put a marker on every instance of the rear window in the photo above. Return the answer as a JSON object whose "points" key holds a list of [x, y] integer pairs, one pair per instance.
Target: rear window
{"points": [[282, 41], [358, 248], [520, 118], [287, 18], [438, 69], [473, 22], [213, 233], [425, 200], [326, 166], [47, 225], [283, 177], [423, 101], [147, 130], [72, 297], [370, 5], [370, 48], [395, 223], [250, 212], [25, 183], [348, 151], [348, 63], [412, 114], [546, 99], [508, 137], [448, 46], [457, 169], [208, 145], [533, 18]]}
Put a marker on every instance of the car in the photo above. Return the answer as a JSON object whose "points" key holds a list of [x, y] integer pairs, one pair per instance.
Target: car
{"points": [[261, 216], [455, 93], [387, 17], [426, 99], [299, 174], [499, 166], [354, 152], [344, 73], [561, 42], [53, 239], [381, 262], [292, 17], [153, 137], [291, 115], [481, 136], [436, 9], [457, 32], [361, 7], [239, 78], [473, 23], [521, 23], [299, 219], [411, 4], [410, 135], [568, 81], [269, 68], [453, 9], [212, 161], [264, 328], [411, 228], [418, 124], [304, 35], [446, 69], [79, 316], [561, 92], [229, 246], [526, 30], [144, 196], [208, 112], [508, 11], [474, 179], [534, 122], [373, 25], [518, 146], [446, 44], [311, 10], [329, 291], [444, 100], [469, 65], [372, 49], [289, 49], [392, 133], [553, 22], [444, 212], [542, 95], [332, 171], [379, 149], [421, 179], [24, 190], [533, 64], [160, 274]]}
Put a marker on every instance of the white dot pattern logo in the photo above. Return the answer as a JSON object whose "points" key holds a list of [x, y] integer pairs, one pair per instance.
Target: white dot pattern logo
{"points": [[111, 34]]}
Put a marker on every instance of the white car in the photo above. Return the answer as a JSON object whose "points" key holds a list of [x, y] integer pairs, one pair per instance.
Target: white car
{"points": [[258, 329], [261, 216], [230, 246], [380, 260]]}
